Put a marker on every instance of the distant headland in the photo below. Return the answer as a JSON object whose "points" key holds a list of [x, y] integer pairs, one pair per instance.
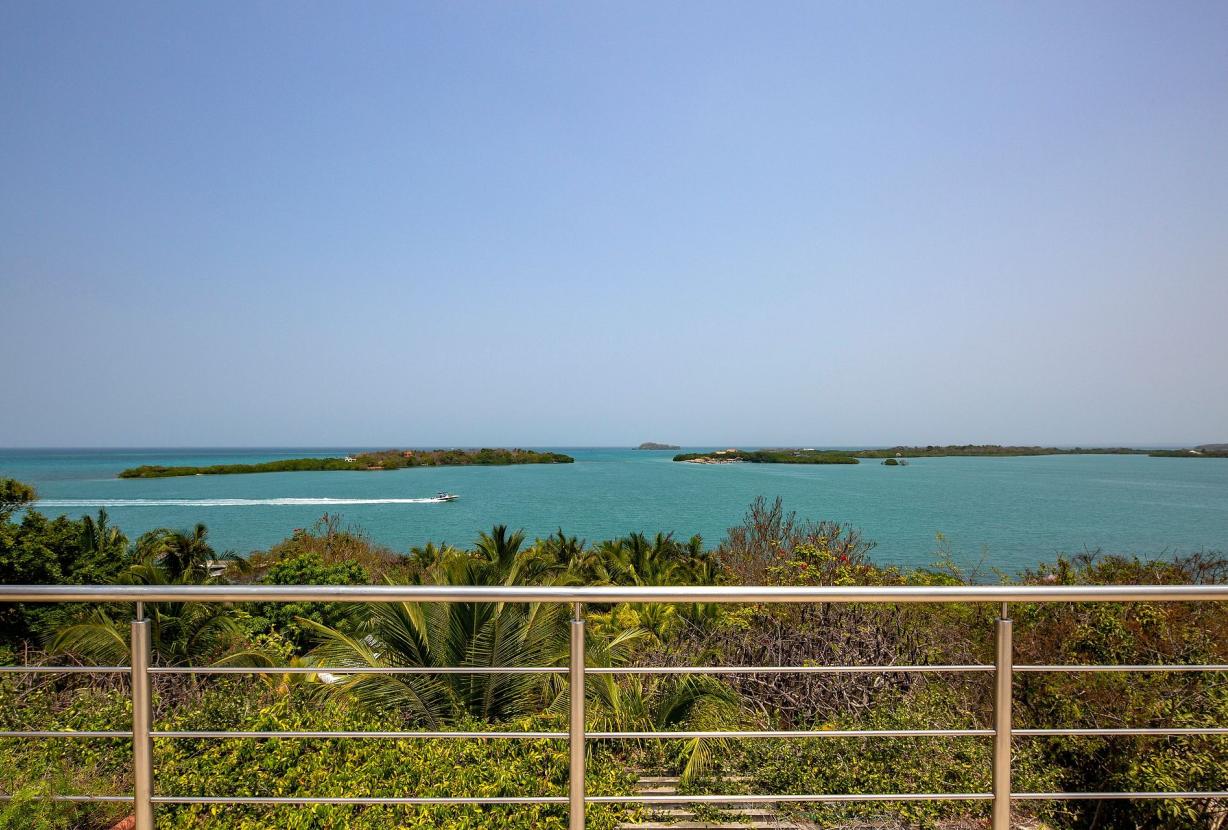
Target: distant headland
{"points": [[809, 455], [368, 461], [653, 445]]}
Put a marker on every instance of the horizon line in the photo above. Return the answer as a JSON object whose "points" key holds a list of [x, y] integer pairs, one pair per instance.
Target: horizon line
{"points": [[783, 445]]}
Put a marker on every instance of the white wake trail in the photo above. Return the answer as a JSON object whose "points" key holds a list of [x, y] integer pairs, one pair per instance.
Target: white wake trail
{"points": [[288, 502]]}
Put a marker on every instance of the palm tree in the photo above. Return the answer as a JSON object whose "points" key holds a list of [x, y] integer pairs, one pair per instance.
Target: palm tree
{"points": [[499, 548], [182, 555], [469, 635], [637, 560], [101, 539], [181, 633], [656, 703], [500, 635], [438, 635]]}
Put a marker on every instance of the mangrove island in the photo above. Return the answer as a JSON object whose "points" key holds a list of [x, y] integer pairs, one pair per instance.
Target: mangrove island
{"points": [[809, 455], [369, 461], [772, 456]]}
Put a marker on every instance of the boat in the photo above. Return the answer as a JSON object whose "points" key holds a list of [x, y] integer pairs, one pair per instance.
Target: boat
{"points": [[442, 496]]}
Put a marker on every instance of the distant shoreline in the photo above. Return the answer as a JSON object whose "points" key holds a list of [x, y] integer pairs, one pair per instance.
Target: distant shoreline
{"points": [[366, 462], [808, 455]]}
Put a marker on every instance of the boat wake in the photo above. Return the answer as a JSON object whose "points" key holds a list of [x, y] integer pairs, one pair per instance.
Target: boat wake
{"points": [[290, 502]]}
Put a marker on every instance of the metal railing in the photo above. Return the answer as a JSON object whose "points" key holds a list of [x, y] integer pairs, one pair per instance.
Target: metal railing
{"points": [[143, 733]]}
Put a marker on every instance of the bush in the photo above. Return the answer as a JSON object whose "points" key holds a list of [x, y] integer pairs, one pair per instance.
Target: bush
{"points": [[892, 765], [307, 569], [284, 767]]}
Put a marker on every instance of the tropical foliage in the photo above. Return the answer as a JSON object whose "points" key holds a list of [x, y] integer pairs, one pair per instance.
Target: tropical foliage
{"points": [[481, 643]]}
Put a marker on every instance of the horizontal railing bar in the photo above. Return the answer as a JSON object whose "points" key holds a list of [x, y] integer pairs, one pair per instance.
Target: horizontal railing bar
{"points": [[357, 800], [967, 667], [972, 667], [66, 669], [1123, 795], [1156, 667], [206, 734], [627, 799], [1189, 730], [47, 733], [613, 594], [664, 735], [767, 797], [357, 670], [768, 733]]}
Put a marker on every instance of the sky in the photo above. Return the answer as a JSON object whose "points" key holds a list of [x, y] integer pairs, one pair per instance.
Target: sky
{"points": [[576, 224]]}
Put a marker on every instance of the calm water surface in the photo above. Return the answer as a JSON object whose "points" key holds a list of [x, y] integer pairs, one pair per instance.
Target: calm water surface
{"points": [[1014, 512]]}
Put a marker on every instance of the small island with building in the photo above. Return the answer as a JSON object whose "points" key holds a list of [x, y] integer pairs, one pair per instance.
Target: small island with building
{"points": [[1201, 451], [367, 461], [653, 445]]}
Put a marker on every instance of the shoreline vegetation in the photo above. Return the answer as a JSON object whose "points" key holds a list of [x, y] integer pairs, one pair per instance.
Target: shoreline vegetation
{"points": [[736, 456], [767, 547], [809, 455], [367, 461]]}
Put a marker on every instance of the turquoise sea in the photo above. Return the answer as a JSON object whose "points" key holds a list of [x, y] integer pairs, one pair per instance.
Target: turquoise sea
{"points": [[1012, 512]]}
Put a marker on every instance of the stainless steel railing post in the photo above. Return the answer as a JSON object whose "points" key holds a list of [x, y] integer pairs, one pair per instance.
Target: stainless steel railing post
{"points": [[1003, 671], [575, 726], [142, 722]]}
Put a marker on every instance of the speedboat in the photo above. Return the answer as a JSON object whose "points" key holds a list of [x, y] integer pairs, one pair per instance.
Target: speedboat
{"points": [[442, 496]]}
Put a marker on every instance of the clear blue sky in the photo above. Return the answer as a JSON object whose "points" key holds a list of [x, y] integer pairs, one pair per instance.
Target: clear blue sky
{"points": [[577, 223]]}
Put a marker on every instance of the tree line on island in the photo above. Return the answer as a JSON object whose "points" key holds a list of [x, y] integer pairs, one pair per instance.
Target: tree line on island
{"points": [[809, 455], [369, 461], [767, 547]]}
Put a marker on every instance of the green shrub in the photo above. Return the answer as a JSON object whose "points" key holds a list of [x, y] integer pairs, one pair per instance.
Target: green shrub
{"points": [[284, 767], [306, 569], [891, 765]]}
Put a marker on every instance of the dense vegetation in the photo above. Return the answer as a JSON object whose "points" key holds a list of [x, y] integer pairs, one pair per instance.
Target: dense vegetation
{"points": [[809, 456], [773, 456], [382, 460], [931, 451], [767, 547], [999, 450]]}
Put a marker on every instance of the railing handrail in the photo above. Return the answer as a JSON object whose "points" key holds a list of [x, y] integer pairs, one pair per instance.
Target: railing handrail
{"points": [[577, 736], [614, 593]]}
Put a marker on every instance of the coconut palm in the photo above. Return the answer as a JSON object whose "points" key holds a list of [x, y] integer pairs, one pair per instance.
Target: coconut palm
{"points": [[181, 633], [440, 635], [181, 554], [458, 635], [657, 703], [101, 539]]}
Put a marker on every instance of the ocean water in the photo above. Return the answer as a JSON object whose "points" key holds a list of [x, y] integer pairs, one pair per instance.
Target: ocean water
{"points": [[1008, 513]]}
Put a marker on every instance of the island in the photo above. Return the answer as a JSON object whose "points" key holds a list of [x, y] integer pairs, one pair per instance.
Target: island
{"points": [[770, 456], [653, 445], [366, 461], [998, 450], [994, 450], [1204, 451], [809, 455]]}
